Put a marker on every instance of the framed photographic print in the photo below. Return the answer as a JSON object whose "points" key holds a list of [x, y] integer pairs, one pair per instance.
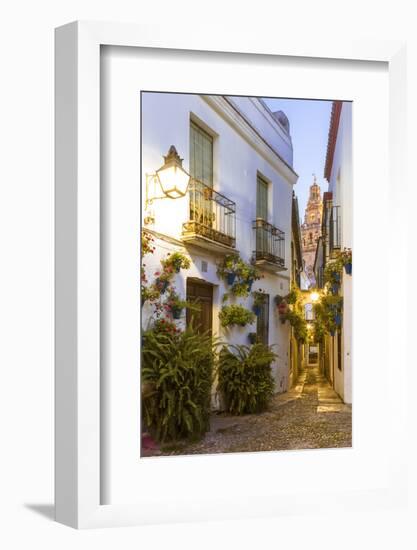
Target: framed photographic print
{"points": [[216, 204]]}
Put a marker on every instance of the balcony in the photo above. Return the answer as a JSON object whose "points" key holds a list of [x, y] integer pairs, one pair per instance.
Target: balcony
{"points": [[212, 219], [335, 229], [270, 246]]}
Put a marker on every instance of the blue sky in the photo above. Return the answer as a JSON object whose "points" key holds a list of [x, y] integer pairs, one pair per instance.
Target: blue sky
{"points": [[309, 127]]}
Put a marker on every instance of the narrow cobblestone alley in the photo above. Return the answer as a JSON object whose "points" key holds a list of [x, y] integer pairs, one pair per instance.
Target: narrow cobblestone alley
{"points": [[309, 416]]}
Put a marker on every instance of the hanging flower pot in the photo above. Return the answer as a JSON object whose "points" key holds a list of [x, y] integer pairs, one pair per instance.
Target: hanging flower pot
{"points": [[256, 310], [250, 283], [252, 337], [230, 278], [278, 299], [338, 319], [348, 268], [335, 288], [176, 312], [336, 276], [162, 285], [282, 311]]}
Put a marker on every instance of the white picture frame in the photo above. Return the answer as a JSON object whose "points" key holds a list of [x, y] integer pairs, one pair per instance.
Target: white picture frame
{"points": [[78, 406]]}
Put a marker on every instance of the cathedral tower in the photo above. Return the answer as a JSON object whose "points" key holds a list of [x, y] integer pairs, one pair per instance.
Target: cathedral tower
{"points": [[311, 229]]}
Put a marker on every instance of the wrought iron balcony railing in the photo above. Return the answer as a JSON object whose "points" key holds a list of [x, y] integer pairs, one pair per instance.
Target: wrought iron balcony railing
{"points": [[211, 215], [270, 243], [335, 229]]}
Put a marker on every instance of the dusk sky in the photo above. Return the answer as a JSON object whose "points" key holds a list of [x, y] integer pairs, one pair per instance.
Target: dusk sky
{"points": [[309, 127]]}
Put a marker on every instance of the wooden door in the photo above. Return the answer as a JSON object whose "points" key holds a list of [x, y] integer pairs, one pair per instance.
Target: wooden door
{"points": [[202, 294], [339, 349]]}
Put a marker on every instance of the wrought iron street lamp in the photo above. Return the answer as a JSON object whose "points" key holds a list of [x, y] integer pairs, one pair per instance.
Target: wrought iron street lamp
{"points": [[172, 176], [314, 296]]}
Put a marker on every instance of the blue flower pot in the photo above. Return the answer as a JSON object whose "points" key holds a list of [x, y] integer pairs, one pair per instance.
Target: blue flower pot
{"points": [[162, 285], [335, 288], [250, 283], [256, 310], [336, 276], [176, 312], [338, 320], [230, 278], [348, 268]]}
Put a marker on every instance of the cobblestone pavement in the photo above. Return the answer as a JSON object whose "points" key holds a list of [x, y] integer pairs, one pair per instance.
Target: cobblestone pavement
{"points": [[309, 416]]}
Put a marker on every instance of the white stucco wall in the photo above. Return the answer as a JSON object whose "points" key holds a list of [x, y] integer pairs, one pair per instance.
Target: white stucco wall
{"points": [[165, 122], [341, 184]]}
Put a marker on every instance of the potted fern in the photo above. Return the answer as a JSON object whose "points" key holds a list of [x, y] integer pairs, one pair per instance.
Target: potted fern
{"points": [[235, 314]]}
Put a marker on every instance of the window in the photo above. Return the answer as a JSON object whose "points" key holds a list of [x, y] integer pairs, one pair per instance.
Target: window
{"points": [[201, 155], [308, 312], [261, 198], [262, 325]]}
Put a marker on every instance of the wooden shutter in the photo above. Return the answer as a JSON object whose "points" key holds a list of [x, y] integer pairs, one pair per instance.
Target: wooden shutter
{"points": [[262, 199], [201, 155]]}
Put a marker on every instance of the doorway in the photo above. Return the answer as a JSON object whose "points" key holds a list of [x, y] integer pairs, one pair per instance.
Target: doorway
{"points": [[200, 293]]}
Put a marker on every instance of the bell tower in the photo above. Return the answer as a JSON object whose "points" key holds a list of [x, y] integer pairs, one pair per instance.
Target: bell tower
{"points": [[311, 229]]}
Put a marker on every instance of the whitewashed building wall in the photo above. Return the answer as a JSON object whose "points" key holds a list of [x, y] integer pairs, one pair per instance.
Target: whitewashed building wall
{"points": [[248, 141], [340, 185]]}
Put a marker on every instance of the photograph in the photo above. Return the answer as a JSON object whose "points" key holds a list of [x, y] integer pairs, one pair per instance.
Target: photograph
{"points": [[246, 274]]}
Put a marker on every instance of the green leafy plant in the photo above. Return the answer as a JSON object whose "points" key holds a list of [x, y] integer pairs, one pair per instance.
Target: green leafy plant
{"points": [[298, 322], [175, 304], [259, 297], [245, 379], [328, 312], [147, 292], [177, 371], [333, 271], [292, 296], [147, 243], [238, 274], [346, 256], [235, 314], [177, 261], [319, 330]]}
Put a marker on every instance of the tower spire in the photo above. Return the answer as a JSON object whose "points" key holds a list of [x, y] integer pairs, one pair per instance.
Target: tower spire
{"points": [[311, 228]]}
